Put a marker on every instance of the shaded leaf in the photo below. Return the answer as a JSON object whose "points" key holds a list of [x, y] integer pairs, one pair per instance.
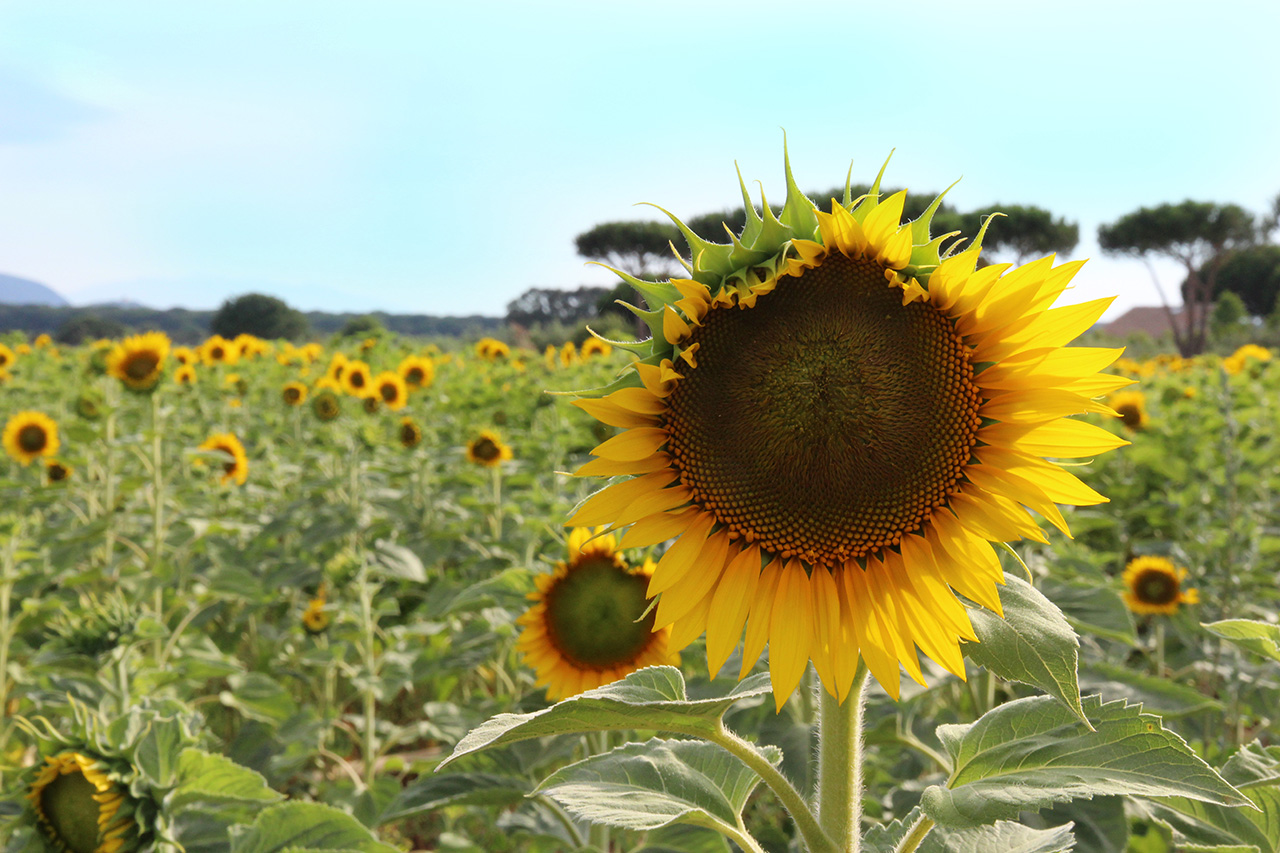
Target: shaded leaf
{"points": [[1261, 638], [428, 793], [1255, 770], [300, 826]]}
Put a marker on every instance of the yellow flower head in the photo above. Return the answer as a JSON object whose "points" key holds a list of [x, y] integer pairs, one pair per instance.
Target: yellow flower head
{"points": [[185, 374], [78, 807], [588, 625], [185, 355], [315, 619], [30, 435], [491, 349], [835, 421], [568, 355], [325, 404], [357, 379], [1131, 408], [417, 372], [138, 360], [43, 341], [488, 450], [219, 350], [55, 471], [595, 346], [236, 466], [1154, 585], [391, 389], [7, 357], [294, 393]]}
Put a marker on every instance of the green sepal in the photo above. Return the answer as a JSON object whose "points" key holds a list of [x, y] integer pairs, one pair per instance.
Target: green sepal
{"points": [[798, 213], [711, 261]]}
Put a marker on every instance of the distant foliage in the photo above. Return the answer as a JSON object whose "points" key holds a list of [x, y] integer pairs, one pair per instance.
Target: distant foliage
{"points": [[258, 314], [88, 327], [362, 326], [538, 306]]}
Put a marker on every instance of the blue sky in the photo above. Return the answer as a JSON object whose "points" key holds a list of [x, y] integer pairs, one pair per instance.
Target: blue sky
{"points": [[419, 157]]}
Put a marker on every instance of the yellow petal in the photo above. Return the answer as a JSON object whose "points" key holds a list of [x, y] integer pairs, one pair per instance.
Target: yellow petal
{"points": [[761, 613], [658, 528], [604, 506], [609, 412], [680, 556], [729, 608], [790, 631], [698, 581], [632, 445]]}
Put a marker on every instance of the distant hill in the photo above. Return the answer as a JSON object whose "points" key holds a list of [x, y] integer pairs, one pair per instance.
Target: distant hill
{"points": [[24, 291]]}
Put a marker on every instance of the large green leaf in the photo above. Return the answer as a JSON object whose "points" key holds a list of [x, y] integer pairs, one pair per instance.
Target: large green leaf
{"points": [[1004, 836], [428, 793], [651, 699], [1261, 638], [1032, 644], [1030, 753], [204, 777], [657, 783], [301, 826], [1255, 770]]}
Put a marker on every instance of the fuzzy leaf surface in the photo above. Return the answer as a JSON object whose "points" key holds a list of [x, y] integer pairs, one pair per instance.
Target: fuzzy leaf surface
{"points": [[1255, 770], [301, 826], [208, 778]]}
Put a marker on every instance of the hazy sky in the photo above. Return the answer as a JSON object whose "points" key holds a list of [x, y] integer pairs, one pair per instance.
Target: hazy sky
{"points": [[417, 157]]}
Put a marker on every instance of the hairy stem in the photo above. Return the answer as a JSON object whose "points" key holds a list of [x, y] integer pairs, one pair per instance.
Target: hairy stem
{"points": [[840, 765]]}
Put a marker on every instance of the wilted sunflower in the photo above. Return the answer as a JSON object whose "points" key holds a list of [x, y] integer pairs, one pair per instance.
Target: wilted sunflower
{"points": [[837, 421], [80, 808], [588, 625], [236, 467], [185, 374], [1155, 586], [29, 435], [410, 434], [138, 360], [1131, 407], [357, 379], [416, 371], [392, 390], [325, 404], [55, 471], [487, 449], [294, 393], [7, 358], [595, 346], [219, 350]]}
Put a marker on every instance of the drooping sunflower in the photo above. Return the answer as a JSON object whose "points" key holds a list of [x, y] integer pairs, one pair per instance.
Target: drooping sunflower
{"points": [[1131, 407], [236, 466], [417, 372], [588, 625], [30, 435], [409, 433], [7, 357], [325, 404], [80, 808], [488, 450], [56, 471], [836, 419], [1154, 585], [357, 379], [219, 350], [294, 393], [392, 390], [138, 360]]}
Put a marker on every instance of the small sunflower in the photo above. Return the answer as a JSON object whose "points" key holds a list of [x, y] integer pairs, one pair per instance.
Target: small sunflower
{"points": [[409, 433], [55, 471], [89, 405], [417, 372], [357, 379], [138, 360], [294, 393], [315, 619], [185, 355], [29, 435], [591, 623], [7, 357], [325, 404], [568, 355], [1239, 360], [1155, 586], [595, 346], [492, 349], [392, 390], [80, 808], [1131, 408], [836, 419], [24, 349], [488, 450], [185, 374], [236, 467], [219, 350], [43, 341], [337, 366], [371, 403]]}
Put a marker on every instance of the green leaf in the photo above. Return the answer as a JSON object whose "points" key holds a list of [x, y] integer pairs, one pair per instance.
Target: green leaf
{"points": [[205, 777], [157, 750], [1091, 608], [1032, 644], [1099, 825], [1003, 836], [1030, 753], [654, 784], [1261, 638], [429, 793], [258, 697], [1157, 695], [299, 826], [1255, 770], [398, 561], [653, 699], [684, 838]]}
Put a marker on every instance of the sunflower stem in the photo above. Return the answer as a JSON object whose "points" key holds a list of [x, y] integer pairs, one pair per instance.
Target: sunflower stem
{"points": [[914, 835], [840, 765]]}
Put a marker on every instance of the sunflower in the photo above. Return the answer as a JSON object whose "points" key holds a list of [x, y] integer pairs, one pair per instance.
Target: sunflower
{"points": [[219, 350], [410, 434], [23, 349], [492, 349], [89, 405], [595, 346], [568, 355], [836, 421], [55, 471], [43, 341], [325, 404], [1239, 360], [1155, 586], [28, 435], [591, 623], [7, 357], [392, 389], [357, 379], [80, 808], [315, 619], [1131, 407], [185, 355], [185, 375], [294, 393], [337, 366], [416, 371], [371, 403], [138, 360], [487, 449], [236, 467]]}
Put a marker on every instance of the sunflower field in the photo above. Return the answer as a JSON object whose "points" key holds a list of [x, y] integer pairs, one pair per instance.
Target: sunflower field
{"points": [[381, 595]]}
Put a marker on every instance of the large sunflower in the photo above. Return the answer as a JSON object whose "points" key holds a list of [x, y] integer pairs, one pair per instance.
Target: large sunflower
{"points": [[1154, 585], [591, 623], [138, 360], [30, 435], [236, 465], [78, 806], [837, 420]]}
